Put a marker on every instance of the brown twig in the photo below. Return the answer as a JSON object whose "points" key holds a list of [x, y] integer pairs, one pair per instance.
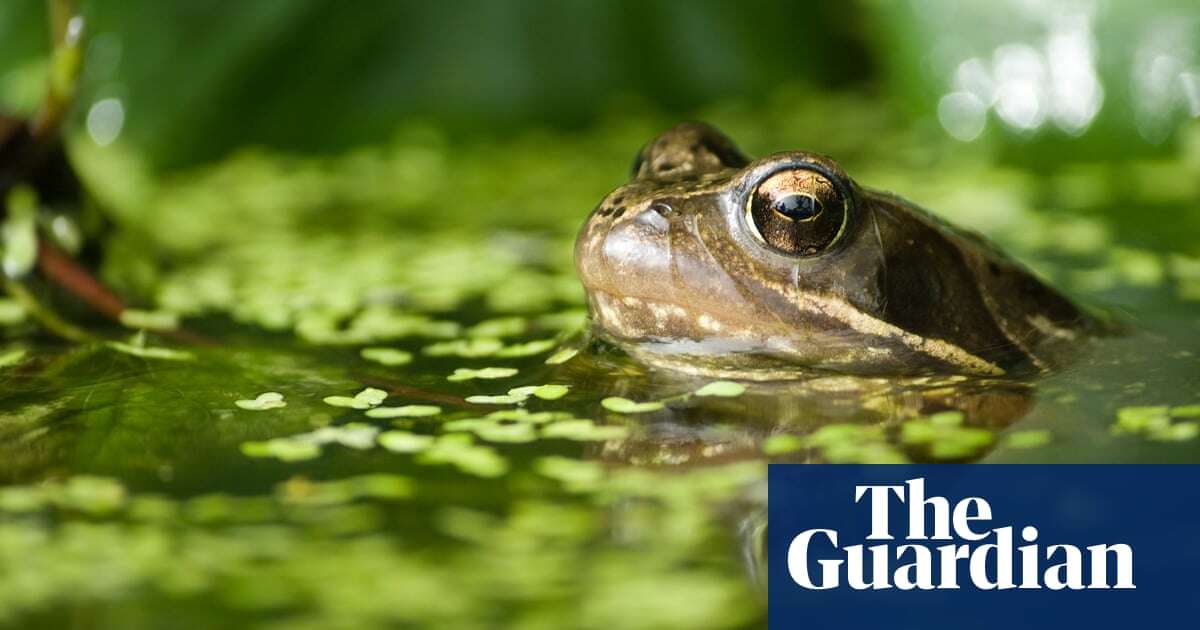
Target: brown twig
{"points": [[79, 282]]}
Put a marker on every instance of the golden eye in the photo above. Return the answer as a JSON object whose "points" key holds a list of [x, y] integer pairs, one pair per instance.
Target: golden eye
{"points": [[798, 212]]}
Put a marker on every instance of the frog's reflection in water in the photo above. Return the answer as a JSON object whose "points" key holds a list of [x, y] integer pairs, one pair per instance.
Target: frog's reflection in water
{"points": [[833, 419], [716, 431]]}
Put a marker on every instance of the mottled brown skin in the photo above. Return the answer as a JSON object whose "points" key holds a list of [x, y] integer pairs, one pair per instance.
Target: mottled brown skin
{"points": [[677, 271]]}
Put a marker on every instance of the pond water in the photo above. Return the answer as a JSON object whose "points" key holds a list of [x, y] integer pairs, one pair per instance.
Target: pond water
{"points": [[396, 416]]}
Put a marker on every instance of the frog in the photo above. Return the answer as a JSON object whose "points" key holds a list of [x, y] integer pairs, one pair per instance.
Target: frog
{"points": [[712, 263]]}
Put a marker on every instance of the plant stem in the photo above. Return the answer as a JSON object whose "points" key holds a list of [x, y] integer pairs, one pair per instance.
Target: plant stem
{"points": [[46, 317]]}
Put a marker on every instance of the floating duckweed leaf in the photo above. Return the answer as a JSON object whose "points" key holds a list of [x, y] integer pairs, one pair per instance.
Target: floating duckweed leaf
{"points": [[83, 493], [223, 508], [854, 444], [499, 399], [1143, 419], [946, 419], [460, 451], [264, 401], [1139, 268], [282, 449], [390, 357], [584, 431], [149, 320], [22, 499], [371, 396], [466, 348], [524, 415], [545, 392], [11, 312], [1031, 438], [566, 321], [386, 322], [345, 401], [405, 411], [944, 436], [18, 233], [465, 424], [12, 357], [576, 475], [404, 442], [365, 399], [1177, 432], [1186, 271], [150, 352], [303, 446], [782, 443], [1154, 422], [374, 324], [519, 395], [466, 374], [624, 405], [1185, 411], [562, 356], [499, 327], [493, 431], [722, 389], [93, 495], [152, 509], [526, 349], [325, 493], [356, 435]]}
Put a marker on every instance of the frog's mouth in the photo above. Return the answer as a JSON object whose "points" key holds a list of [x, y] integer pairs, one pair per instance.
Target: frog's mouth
{"points": [[638, 319], [655, 326]]}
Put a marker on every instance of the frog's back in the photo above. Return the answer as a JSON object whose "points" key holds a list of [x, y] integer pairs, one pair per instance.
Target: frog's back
{"points": [[980, 297]]}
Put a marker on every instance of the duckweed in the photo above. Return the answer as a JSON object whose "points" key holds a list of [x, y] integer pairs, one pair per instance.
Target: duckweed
{"points": [[390, 357], [1157, 422], [365, 399], [584, 431], [617, 404], [404, 411], [466, 374], [854, 444], [460, 451], [519, 395], [1029, 438], [149, 320], [576, 475], [782, 444], [944, 435], [12, 357], [562, 356], [347, 549], [150, 352], [263, 402], [404, 441]]}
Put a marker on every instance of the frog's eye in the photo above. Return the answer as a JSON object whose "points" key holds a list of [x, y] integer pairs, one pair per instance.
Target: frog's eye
{"points": [[798, 212]]}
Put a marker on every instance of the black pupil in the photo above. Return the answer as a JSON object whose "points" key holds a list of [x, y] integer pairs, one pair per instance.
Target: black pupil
{"points": [[798, 207]]}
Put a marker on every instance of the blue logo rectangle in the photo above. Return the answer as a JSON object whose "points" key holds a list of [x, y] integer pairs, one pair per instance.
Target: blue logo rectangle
{"points": [[983, 546]]}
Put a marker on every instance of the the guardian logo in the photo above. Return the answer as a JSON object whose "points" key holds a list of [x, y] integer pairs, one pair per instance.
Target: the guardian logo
{"points": [[973, 555]]}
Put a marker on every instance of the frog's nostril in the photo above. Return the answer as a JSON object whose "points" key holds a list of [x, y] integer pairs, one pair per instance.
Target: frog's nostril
{"points": [[653, 219]]}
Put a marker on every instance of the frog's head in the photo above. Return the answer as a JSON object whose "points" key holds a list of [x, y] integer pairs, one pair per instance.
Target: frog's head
{"points": [[706, 258], [704, 252]]}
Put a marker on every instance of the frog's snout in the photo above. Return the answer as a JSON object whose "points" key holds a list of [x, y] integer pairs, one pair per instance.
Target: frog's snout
{"points": [[623, 248]]}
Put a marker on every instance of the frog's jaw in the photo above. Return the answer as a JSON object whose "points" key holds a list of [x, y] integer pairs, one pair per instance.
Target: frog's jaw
{"points": [[720, 344]]}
